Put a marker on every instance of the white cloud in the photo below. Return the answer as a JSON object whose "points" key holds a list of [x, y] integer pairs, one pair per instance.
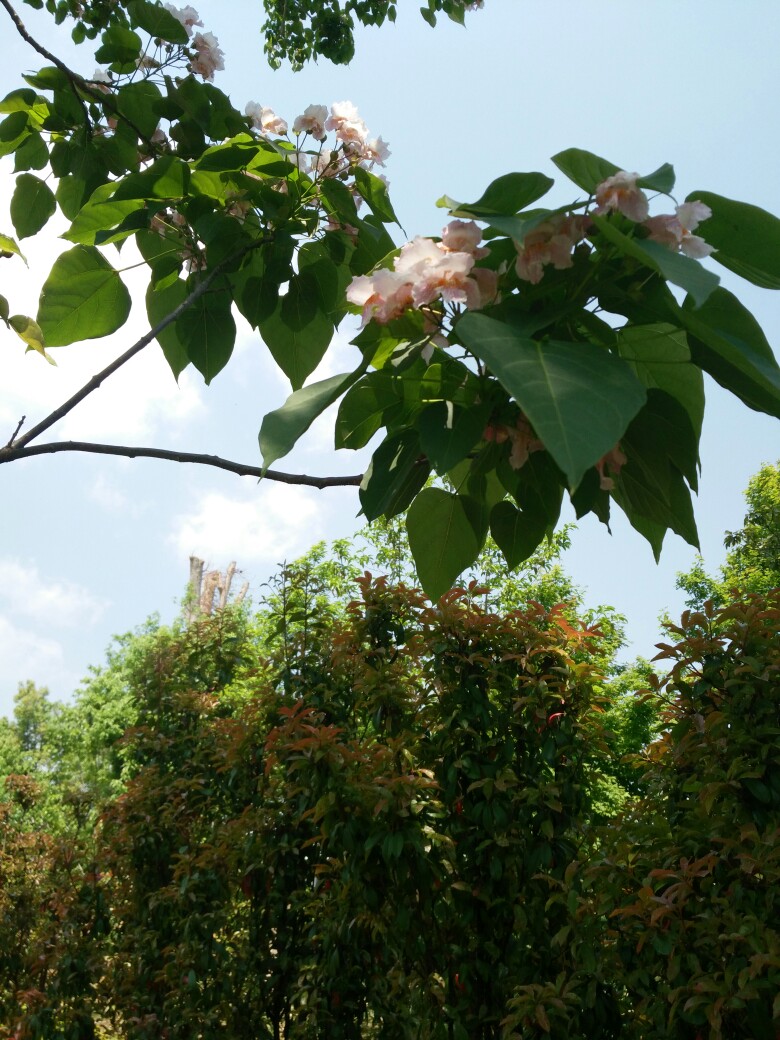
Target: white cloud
{"points": [[28, 655], [265, 524], [24, 592], [111, 498]]}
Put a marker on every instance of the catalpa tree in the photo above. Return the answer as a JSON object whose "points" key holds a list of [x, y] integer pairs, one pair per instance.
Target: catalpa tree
{"points": [[526, 354]]}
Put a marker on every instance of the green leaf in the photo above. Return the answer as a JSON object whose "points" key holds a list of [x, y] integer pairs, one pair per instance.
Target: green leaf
{"points": [[120, 47], [207, 332], [166, 178], [282, 428], [339, 201], [578, 398], [442, 540], [506, 196], [746, 238], [140, 102], [584, 168], [30, 332], [396, 473], [4, 309], [374, 191], [83, 298], [448, 433], [674, 267], [160, 302], [728, 343], [373, 245], [32, 154], [32, 203], [9, 247], [297, 333], [360, 413], [661, 179], [517, 533], [665, 423], [157, 21], [100, 213], [320, 277], [660, 356]]}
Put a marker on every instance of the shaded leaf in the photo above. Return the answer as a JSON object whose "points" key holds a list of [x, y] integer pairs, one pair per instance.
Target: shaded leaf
{"points": [[441, 538], [83, 298], [32, 203], [396, 473], [746, 238]]}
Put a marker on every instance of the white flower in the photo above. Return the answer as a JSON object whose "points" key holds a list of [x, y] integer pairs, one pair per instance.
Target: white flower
{"points": [[265, 119], [188, 16], [620, 193], [100, 76], [674, 230], [376, 151], [312, 122], [210, 58], [349, 127]]}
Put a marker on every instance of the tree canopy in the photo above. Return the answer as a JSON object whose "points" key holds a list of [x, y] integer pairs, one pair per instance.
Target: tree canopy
{"points": [[527, 354]]}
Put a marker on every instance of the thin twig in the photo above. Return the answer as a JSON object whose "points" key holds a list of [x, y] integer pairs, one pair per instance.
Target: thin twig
{"points": [[12, 453], [95, 381], [18, 427]]}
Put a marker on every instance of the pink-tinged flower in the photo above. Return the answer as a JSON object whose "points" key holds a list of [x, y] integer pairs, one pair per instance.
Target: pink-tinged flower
{"points": [[312, 122], [524, 441], [210, 58], [417, 256], [349, 127], [341, 112], [487, 284], [187, 16], [464, 236], [159, 137], [375, 151], [265, 119], [383, 295], [448, 280], [674, 230], [612, 463], [620, 193], [551, 242]]}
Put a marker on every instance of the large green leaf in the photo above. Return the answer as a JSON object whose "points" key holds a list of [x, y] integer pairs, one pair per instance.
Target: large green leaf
{"points": [[166, 178], [441, 538], [100, 214], [83, 298], [506, 196], [517, 533], [674, 267], [747, 238], [10, 247], [578, 398], [120, 47], [660, 356], [32, 203], [584, 168], [728, 343], [397, 471], [665, 423], [448, 432], [361, 412], [160, 302], [374, 191], [282, 428], [140, 103], [156, 20], [297, 333], [207, 332]]}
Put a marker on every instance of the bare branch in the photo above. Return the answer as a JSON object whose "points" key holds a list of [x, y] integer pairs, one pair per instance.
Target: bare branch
{"points": [[18, 427], [96, 380], [14, 452]]}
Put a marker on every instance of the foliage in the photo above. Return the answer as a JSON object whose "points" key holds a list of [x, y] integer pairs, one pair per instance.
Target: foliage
{"points": [[557, 358], [753, 558]]}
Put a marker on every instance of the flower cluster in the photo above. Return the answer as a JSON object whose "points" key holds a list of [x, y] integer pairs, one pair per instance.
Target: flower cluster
{"points": [[425, 271], [549, 243], [357, 146], [206, 58]]}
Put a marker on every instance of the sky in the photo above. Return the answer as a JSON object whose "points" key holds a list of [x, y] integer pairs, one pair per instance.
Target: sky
{"points": [[92, 545]]}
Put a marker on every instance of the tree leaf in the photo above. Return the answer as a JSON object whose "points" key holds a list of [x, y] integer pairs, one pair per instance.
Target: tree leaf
{"points": [[728, 343], [83, 298], [282, 428], [297, 333], [10, 247], [674, 267], [506, 196], [578, 398], [157, 21], [584, 168], [661, 179], [208, 333], [100, 213], [360, 413], [395, 474], [374, 191], [32, 203], [30, 332], [166, 178], [661, 357], [442, 540], [160, 302], [140, 101], [448, 432], [746, 238], [517, 533]]}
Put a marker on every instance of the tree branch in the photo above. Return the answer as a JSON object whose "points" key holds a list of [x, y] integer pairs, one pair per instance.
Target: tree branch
{"points": [[96, 380], [12, 453]]}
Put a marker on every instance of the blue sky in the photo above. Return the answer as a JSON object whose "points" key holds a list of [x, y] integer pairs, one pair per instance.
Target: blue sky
{"points": [[90, 545]]}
